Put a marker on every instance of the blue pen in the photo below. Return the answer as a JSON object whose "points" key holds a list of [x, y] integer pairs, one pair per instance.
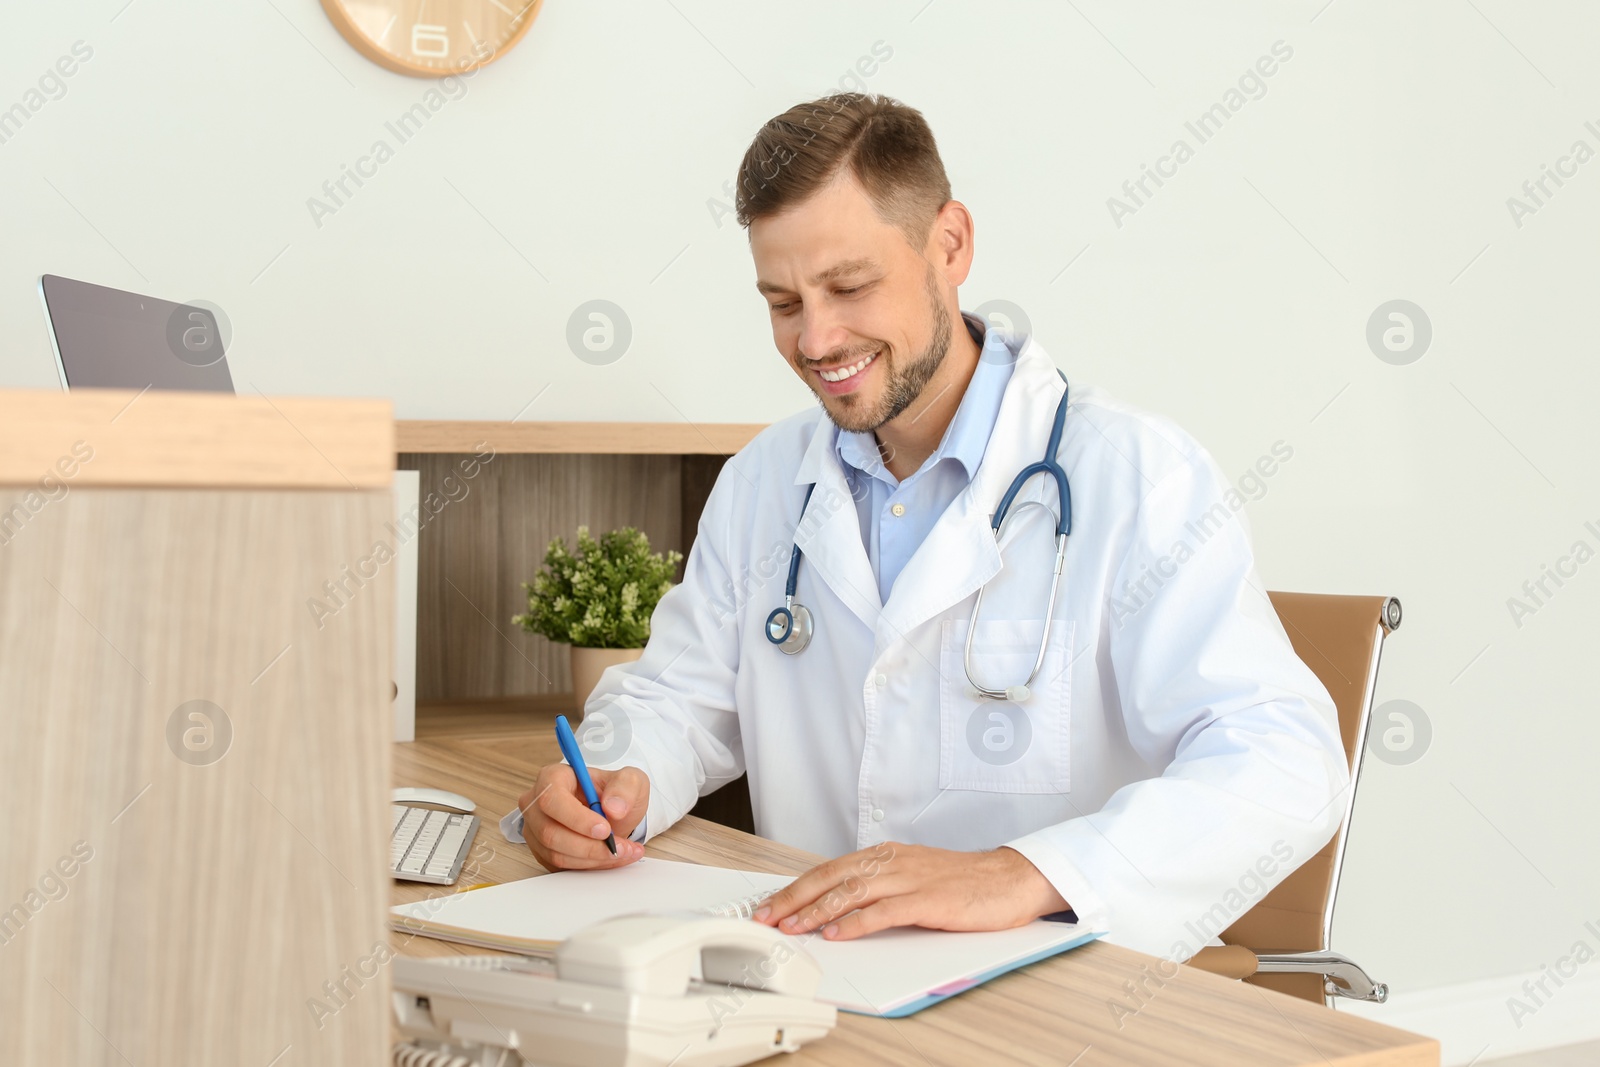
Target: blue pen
{"points": [[574, 756]]}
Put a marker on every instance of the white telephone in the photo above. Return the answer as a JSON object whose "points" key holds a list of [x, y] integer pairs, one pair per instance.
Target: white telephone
{"points": [[635, 991]]}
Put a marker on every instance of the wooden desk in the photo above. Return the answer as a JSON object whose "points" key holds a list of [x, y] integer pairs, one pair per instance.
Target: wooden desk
{"points": [[1056, 1012]]}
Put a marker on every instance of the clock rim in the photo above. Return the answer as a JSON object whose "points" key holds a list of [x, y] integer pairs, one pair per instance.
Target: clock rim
{"points": [[345, 24]]}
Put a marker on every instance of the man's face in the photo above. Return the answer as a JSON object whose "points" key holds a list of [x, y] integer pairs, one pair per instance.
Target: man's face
{"points": [[859, 314]]}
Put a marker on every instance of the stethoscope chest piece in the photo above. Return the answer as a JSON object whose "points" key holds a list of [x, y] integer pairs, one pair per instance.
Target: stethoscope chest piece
{"points": [[790, 628]]}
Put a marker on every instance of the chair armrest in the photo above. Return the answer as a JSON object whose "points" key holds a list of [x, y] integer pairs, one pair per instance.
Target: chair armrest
{"points": [[1230, 961], [1344, 977]]}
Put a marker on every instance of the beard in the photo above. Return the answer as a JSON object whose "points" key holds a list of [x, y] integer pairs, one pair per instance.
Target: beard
{"points": [[902, 385]]}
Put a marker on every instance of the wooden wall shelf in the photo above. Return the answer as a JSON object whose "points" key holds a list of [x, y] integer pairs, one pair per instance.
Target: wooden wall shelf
{"points": [[575, 438]]}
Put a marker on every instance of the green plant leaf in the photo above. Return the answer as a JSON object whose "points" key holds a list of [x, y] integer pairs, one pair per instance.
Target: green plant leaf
{"points": [[602, 595]]}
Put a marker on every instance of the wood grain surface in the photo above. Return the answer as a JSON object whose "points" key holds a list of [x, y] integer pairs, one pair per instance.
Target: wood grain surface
{"points": [[485, 533], [194, 781], [193, 439], [1057, 1012]]}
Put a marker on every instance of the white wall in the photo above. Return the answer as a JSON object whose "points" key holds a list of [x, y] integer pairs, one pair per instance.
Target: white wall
{"points": [[1376, 165]]}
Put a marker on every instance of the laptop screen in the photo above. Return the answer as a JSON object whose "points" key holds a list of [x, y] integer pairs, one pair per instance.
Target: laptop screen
{"points": [[110, 339]]}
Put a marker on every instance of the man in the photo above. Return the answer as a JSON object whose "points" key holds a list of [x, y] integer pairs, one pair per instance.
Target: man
{"points": [[1168, 743]]}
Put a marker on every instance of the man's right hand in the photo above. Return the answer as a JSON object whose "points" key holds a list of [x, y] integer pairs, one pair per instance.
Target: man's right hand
{"points": [[564, 834]]}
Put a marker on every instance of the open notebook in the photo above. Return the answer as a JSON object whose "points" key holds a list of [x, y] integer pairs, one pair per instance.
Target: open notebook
{"points": [[890, 973]]}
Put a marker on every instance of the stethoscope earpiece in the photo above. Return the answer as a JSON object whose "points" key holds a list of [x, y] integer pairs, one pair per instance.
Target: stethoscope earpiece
{"points": [[1017, 694]]}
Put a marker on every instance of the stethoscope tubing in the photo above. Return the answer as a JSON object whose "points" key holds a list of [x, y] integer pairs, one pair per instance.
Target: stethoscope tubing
{"points": [[790, 627]]}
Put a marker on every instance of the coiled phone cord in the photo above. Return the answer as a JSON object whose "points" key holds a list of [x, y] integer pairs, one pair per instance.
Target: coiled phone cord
{"points": [[411, 1056]]}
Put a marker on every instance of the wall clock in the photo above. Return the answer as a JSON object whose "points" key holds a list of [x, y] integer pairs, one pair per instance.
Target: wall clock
{"points": [[432, 38]]}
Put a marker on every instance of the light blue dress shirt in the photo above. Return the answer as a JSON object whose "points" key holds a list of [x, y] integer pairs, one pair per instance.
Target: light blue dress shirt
{"points": [[896, 516]]}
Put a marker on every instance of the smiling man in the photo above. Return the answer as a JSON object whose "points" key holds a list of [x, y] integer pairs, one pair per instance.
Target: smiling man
{"points": [[1115, 736]]}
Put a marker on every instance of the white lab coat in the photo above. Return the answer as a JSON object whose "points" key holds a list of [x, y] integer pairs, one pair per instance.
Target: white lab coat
{"points": [[1175, 760]]}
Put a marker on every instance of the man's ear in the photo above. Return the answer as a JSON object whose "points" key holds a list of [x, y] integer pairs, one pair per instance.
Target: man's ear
{"points": [[950, 242]]}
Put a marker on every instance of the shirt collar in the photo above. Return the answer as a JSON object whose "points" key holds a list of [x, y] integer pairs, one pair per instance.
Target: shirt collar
{"points": [[967, 436]]}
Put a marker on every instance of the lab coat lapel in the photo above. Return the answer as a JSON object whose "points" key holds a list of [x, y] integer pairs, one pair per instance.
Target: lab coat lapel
{"points": [[960, 553], [956, 558], [829, 534]]}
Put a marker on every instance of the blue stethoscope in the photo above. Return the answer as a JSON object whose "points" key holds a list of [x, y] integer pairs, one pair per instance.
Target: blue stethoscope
{"points": [[791, 626]]}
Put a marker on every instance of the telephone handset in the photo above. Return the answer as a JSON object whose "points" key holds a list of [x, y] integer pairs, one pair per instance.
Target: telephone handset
{"points": [[660, 955], [630, 992]]}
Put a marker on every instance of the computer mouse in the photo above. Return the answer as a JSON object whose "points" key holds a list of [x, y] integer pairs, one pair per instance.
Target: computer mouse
{"points": [[443, 798]]}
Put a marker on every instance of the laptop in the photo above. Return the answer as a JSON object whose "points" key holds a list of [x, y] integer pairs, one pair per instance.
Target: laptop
{"points": [[111, 339]]}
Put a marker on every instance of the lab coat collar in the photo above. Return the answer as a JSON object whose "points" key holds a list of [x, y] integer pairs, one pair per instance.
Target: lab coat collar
{"points": [[1022, 430], [829, 533], [959, 554]]}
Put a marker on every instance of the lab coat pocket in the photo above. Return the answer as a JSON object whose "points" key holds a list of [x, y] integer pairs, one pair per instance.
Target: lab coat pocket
{"points": [[1005, 746]]}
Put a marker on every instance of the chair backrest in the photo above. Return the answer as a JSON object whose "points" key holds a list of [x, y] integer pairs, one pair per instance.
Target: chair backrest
{"points": [[1340, 639]]}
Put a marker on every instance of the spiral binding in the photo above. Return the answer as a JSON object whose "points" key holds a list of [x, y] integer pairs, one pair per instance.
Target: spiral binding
{"points": [[531, 965], [412, 1056], [741, 908]]}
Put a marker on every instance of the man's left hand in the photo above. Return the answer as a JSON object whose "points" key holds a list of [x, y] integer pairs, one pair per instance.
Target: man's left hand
{"points": [[912, 885]]}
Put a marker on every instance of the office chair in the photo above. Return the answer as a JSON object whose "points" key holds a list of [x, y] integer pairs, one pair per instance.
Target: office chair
{"points": [[1340, 638]]}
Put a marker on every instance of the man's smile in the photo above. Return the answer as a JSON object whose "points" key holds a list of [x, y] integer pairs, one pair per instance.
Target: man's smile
{"points": [[844, 379]]}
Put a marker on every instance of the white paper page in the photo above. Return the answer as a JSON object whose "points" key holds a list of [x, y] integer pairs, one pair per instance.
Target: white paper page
{"points": [[875, 974], [880, 972], [553, 907]]}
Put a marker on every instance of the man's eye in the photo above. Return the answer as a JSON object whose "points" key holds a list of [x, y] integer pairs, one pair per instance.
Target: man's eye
{"points": [[781, 308], [847, 292]]}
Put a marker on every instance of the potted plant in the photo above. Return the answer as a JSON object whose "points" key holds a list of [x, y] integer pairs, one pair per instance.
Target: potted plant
{"points": [[598, 600]]}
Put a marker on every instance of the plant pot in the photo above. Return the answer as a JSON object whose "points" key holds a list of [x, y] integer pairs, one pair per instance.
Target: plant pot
{"points": [[588, 664]]}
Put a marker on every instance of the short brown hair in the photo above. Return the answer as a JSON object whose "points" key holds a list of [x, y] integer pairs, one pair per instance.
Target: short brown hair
{"points": [[887, 146]]}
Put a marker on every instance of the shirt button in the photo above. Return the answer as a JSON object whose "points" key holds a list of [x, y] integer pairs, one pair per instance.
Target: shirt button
{"points": [[881, 680], [898, 510], [877, 814]]}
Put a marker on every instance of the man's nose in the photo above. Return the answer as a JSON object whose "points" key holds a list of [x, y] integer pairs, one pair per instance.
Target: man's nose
{"points": [[821, 332]]}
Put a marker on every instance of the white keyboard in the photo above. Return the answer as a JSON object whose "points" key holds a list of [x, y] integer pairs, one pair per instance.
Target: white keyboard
{"points": [[429, 845]]}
